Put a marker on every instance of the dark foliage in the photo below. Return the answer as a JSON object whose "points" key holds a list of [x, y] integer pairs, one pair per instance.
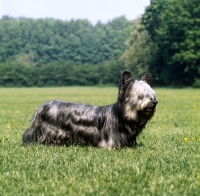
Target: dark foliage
{"points": [[174, 29]]}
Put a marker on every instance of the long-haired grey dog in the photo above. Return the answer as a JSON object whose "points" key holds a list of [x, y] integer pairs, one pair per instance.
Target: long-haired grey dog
{"points": [[110, 126]]}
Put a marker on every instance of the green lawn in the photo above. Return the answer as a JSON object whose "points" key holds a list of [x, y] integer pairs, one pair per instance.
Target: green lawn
{"points": [[166, 161]]}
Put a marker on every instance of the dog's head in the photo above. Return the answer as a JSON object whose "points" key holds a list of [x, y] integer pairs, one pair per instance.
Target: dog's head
{"points": [[136, 97]]}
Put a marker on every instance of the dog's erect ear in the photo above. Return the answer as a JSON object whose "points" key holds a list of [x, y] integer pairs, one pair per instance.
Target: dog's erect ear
{"points": [[148, 78], [125, 76], [125, 80]]}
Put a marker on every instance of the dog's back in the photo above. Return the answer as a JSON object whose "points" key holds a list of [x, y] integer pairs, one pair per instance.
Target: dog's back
{"points": [[57, 122]]}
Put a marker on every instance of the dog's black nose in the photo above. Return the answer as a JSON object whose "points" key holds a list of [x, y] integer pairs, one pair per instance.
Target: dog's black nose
{"points": [[155, 102]]}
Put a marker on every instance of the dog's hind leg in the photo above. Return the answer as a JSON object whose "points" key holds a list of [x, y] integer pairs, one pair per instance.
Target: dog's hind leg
{"points": [[51, 135]]}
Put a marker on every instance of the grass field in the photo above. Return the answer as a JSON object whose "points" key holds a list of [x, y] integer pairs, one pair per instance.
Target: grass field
{"points": [[166, 161]]}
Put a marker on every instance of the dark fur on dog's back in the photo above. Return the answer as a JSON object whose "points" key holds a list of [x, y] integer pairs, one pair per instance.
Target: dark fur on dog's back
{"points": [[111, 126]]}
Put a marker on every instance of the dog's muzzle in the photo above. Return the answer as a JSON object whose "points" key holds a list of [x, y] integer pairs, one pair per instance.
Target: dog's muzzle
{"points": [[151, 106]]}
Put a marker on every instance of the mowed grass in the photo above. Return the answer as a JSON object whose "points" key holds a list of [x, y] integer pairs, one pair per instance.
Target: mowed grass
{"points": [[165, 162]]}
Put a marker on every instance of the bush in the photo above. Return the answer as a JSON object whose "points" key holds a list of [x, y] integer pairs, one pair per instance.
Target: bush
{"points": [[196, 83]]}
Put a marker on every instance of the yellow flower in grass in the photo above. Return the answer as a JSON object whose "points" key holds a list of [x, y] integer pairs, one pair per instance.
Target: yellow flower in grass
{"points": [[185, 139], [199, 139]]}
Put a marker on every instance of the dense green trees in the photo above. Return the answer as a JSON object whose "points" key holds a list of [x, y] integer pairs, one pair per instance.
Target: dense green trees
{"points": [[167, 42], [48, 52], [59, 74], [178, 37], [138, 55], [43, 41]]}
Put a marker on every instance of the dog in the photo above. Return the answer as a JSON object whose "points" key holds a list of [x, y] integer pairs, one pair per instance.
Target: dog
{"points": [[111, 126]]}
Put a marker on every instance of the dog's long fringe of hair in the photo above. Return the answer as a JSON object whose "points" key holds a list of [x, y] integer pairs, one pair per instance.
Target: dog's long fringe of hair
{"points": [[110, 126]]}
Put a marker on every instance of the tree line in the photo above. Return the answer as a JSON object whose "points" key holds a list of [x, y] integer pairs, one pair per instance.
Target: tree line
{"points": [[59, 74], [46, 52], [164, 41]]}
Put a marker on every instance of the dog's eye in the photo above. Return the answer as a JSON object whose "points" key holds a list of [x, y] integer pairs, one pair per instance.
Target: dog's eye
{"points": [[140, 97]]}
